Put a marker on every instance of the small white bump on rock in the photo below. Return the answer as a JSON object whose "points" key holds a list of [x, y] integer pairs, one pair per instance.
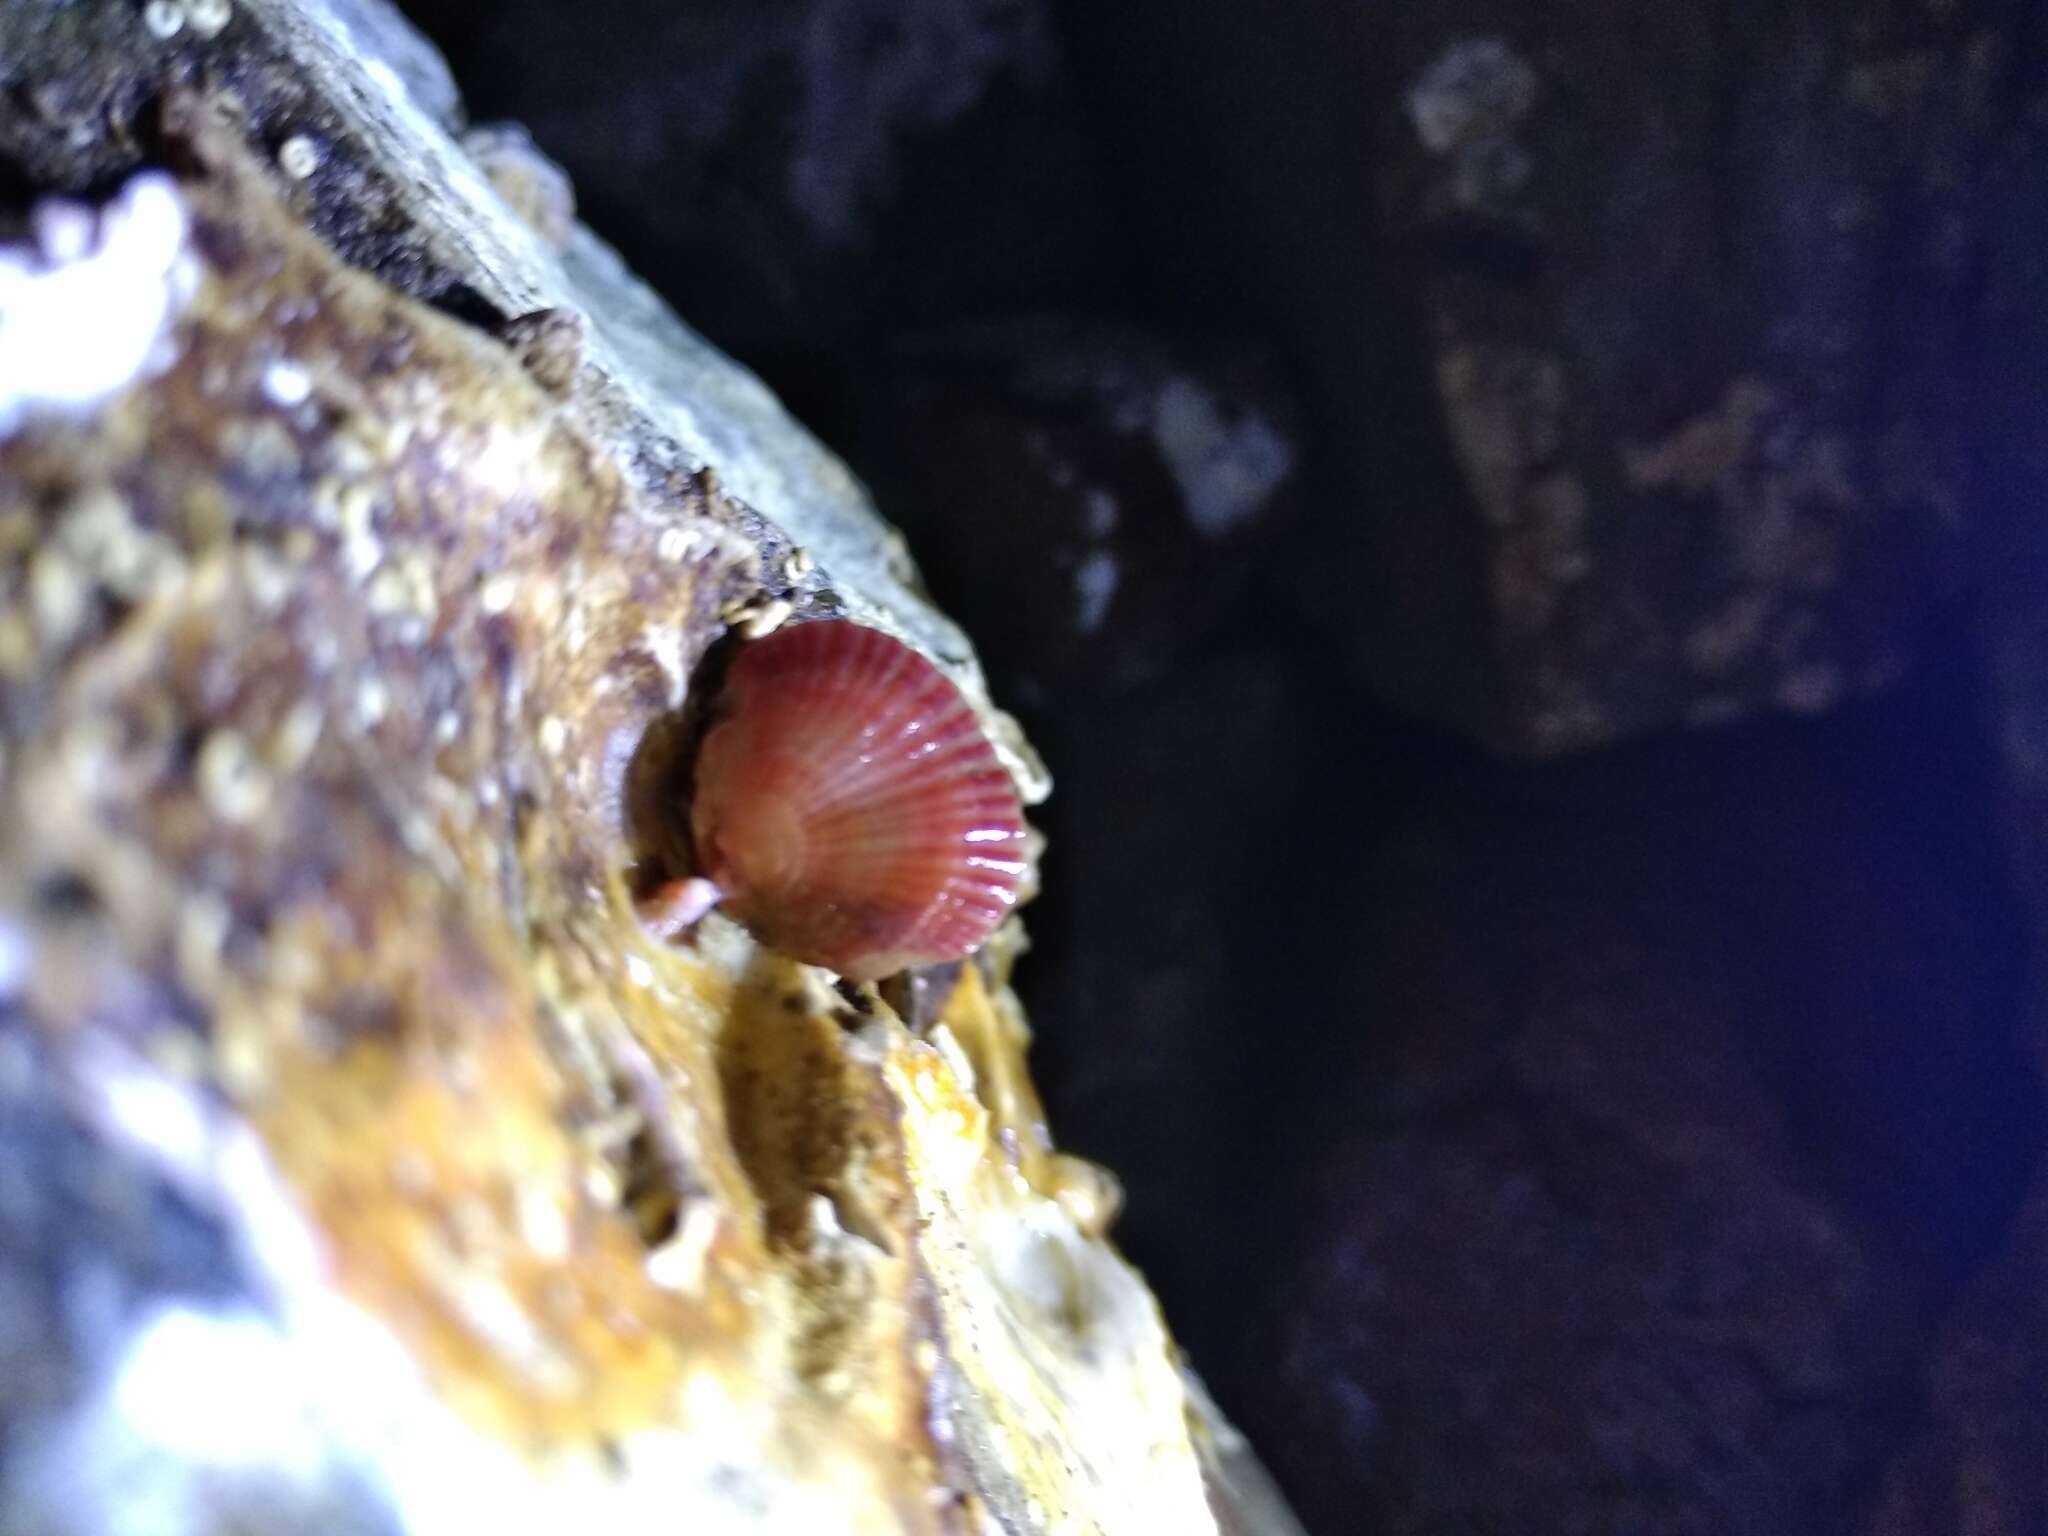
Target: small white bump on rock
{"points": [[208, 18], [298, 157], [165, 19]]}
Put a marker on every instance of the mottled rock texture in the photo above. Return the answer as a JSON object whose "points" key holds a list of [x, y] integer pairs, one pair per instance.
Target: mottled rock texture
{"points": [[1639, 337], [1975, 1459], [364, 1164], [1680, 1117]]}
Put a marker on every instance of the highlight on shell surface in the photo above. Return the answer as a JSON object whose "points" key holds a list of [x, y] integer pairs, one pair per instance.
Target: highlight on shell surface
{"points": [[847, 807]]}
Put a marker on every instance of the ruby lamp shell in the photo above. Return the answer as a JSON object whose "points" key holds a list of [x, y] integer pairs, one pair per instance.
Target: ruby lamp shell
{"points": [[848, 807]]}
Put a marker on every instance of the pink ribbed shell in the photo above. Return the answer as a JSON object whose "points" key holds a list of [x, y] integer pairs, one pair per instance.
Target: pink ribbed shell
{"points": [[849, 808]]}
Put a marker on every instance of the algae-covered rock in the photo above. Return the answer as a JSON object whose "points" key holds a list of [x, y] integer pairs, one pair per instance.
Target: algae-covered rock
{"points": [[365, 1163]]}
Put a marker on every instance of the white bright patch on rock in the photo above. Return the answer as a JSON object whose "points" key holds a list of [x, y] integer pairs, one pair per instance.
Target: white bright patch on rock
{"points": [[287, 383], [202, 1421], [1095, 583], [1474, 89], [84, 310], [287, 1407], [15, 960], [1226, 470]]}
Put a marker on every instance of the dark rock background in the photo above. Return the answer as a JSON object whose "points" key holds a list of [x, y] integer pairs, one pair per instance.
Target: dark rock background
{"points": [[1516, 529]]}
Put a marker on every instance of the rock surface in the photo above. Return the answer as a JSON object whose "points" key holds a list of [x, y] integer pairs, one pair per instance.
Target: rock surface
{"points": [[363, 1163], [1640, 1207], [1639, 337], [1975, 1461]]}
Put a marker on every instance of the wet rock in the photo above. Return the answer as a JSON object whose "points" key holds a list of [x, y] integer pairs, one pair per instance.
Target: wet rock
{"points": [[368, 167], [1581, 1296], [1641, 1203], [1574, 1281], [365, 1162], [1641, 338], [1975, 1460]]}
